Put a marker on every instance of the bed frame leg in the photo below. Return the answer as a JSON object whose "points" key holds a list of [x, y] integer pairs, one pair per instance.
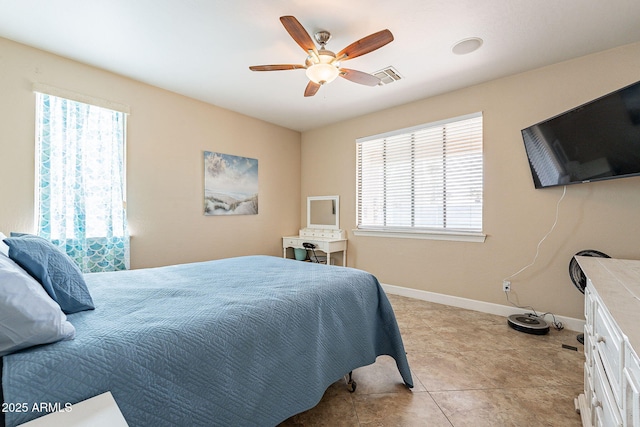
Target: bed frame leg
{"points": [[351, 384]]}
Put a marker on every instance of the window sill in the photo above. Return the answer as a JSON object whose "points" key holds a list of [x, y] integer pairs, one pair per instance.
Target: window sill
{"points": [[456, 236]]}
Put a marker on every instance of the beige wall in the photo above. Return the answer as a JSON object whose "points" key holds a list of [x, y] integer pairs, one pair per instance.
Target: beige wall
{"points": [[603, 216], [167, 134]]}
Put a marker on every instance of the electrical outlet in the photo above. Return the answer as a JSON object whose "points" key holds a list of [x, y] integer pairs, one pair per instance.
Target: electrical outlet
{"points": [[506, 285]]}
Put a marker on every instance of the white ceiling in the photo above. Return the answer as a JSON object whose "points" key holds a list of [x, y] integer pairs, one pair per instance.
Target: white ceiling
{"points": [[203, 48]]}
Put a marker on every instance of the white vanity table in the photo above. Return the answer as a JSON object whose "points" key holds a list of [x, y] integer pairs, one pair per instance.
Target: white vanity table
{"points": [[323, 229]]}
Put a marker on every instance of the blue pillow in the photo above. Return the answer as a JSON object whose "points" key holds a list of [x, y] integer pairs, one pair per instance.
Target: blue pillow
{"points": [[56, 272]]}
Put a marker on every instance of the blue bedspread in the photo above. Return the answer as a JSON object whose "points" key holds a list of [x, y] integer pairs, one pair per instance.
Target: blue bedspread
{"points": [[236, 342]]}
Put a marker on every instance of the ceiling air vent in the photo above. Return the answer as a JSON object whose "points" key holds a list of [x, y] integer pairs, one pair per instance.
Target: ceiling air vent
{"points": [[387, 75]]}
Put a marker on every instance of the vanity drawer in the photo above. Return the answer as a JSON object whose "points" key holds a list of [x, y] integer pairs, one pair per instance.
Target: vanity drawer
{"points": [[608, 342], [291, 243], [297, 242]]}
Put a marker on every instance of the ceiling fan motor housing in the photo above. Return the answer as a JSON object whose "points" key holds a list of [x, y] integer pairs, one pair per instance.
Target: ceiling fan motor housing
{"points": [[322, 37]]}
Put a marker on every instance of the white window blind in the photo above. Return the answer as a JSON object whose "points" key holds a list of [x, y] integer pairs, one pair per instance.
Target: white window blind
{"points": [[422, 179]]}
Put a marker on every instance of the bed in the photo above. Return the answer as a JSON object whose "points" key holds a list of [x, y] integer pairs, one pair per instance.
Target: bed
{"points": [[246, 341]]}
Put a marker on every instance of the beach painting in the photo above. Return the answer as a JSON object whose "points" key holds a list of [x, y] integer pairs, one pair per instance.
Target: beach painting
{"points": [[230, 184]]}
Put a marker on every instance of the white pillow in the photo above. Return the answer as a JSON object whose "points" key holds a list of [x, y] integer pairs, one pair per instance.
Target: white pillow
{"points": [[4, 249], [28, 316]]}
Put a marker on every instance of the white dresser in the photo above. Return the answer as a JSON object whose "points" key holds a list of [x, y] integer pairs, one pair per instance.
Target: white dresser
{"points": [[325, 240], [611, 343]]}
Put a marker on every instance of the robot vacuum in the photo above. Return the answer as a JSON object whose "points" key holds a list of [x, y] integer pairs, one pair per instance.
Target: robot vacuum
{"points": [[528, 323]]}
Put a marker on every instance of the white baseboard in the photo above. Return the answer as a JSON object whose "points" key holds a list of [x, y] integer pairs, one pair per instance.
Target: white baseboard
{"points": [[484, 307]]}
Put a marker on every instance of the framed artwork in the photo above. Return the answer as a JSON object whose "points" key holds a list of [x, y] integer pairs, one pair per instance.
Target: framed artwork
{"points": [[230, 184]]}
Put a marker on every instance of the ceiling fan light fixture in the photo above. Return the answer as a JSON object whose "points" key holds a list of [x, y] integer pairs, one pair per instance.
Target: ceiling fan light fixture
{"points": [[322, 73], [323, 68]]}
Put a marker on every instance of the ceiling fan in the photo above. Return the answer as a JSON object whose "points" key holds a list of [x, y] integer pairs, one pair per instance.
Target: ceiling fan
{"points": [[322, 65]]}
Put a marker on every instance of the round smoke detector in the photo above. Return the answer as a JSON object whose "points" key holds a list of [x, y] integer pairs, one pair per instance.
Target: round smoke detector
{"points": [[528, 323], [466, 46]]}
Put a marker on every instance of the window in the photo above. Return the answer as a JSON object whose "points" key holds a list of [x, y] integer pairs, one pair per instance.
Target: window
{"points": [[80, 181], [424, 181]]}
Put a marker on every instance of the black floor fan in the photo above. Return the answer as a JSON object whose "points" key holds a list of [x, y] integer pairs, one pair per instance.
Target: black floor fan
{"points": [[577, 276]]}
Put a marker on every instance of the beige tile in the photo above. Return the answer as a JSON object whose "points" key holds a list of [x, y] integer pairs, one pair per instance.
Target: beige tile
{"points": [[526, 368], [469, 369], [510, 407], [466, 338], [382, 377], [476, 408], [418, 315], [447, 371], [422, 340], [552, 340], [399, 410], [335, 409], [550, 405]]}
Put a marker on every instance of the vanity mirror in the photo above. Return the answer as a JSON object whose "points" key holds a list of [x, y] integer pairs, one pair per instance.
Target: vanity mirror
{"points": [[323, 212], [322, 233]]}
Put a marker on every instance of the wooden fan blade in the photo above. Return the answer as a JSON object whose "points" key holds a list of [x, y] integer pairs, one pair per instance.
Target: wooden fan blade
{"points": [[298, 33], [365, 45], [359, 77], [276, 67], [311, 89]]}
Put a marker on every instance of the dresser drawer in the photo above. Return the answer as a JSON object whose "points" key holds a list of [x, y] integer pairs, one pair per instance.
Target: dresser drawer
{"points": [[608, 342], [588, 383], [589, 307], [605, 410], [631, 389], [589, 348]]}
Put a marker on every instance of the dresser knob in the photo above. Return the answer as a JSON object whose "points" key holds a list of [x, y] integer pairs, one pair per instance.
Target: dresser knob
{"points": [[600, 338], [595, 402]]}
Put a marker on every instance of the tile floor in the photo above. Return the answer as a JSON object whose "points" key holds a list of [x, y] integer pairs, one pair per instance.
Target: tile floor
{"points": [[469, 369]]}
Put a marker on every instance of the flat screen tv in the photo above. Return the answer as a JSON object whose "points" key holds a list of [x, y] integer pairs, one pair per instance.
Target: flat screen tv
{"points": [[595, 141]]}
